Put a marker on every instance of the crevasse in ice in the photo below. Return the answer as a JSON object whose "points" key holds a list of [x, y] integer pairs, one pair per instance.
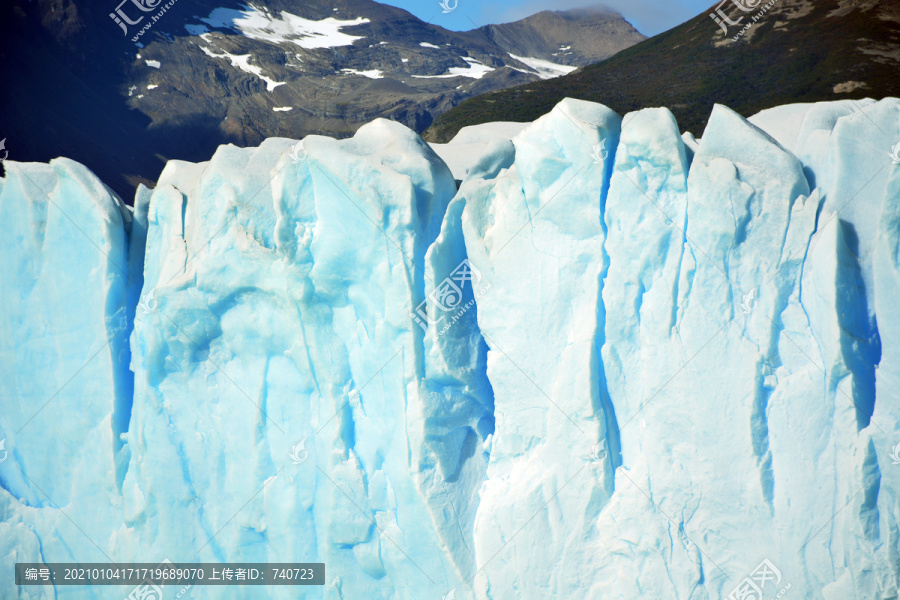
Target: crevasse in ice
{"points": [[590, 358]]}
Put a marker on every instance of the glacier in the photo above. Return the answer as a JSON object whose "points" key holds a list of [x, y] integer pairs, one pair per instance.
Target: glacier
{"points": [[585, 357]]}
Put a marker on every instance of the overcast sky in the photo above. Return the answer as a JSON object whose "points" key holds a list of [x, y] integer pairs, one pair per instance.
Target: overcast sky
{"points": [[648, 16]]}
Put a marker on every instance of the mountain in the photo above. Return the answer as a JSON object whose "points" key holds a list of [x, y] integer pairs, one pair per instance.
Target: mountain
{"points": [[575, 37], [793, 51], [612, 363], [83, 82]]}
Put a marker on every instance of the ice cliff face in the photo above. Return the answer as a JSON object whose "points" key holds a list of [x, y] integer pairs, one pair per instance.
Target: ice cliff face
{"points": [[614, 363]]}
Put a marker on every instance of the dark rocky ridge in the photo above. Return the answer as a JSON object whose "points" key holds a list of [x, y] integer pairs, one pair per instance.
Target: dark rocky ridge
{"points": [[589, 34]]}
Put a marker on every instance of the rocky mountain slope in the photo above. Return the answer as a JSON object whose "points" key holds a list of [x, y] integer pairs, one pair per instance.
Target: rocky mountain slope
{"points": [[123, 88], [575, 37], [792, 51]]}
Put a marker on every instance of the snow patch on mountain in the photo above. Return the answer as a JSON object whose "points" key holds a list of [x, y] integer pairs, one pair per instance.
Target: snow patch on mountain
{"points": [[544, 68], [475, 70], [242, 62], [259, 24], [371, 73]]}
